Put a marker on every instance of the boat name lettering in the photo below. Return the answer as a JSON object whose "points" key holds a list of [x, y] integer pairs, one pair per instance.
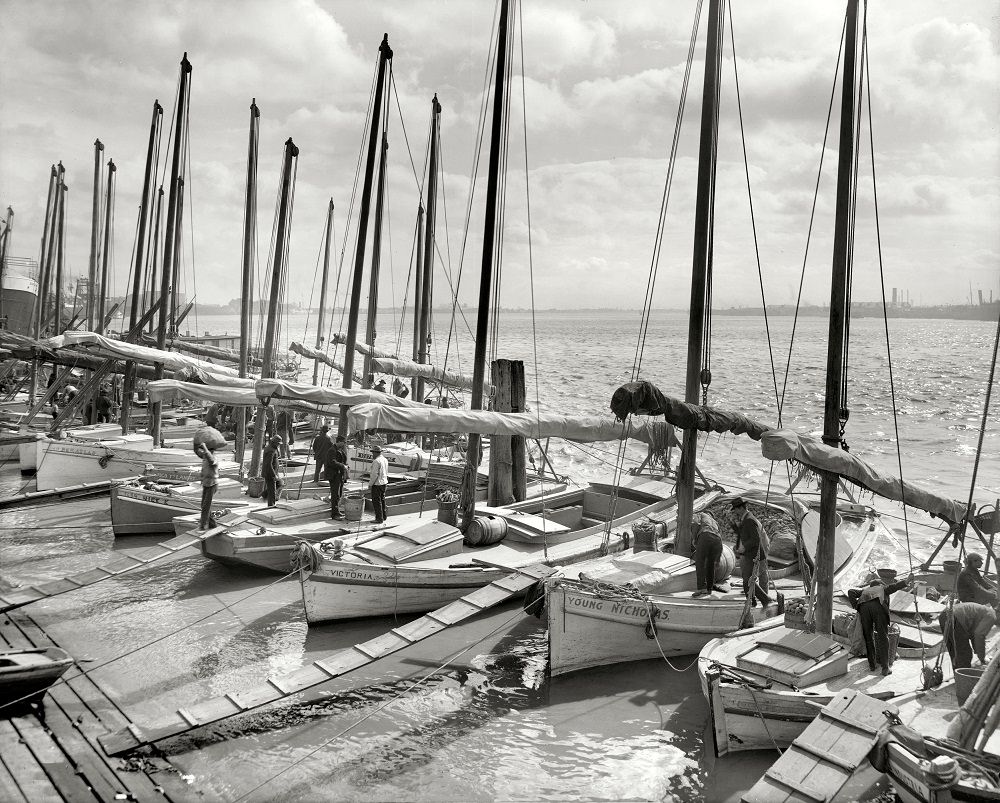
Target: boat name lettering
{"points": [[352, 574]]}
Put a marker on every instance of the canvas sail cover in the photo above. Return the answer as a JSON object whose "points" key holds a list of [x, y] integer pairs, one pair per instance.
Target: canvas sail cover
{"points": [[363, 348], [584, 429], [645, 399], [409, 368], [322, 356], [107, 347], [783, 444], [294, 391], [170, 389], [201, 349]]}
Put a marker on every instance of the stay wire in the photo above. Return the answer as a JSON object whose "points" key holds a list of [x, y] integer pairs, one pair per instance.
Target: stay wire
{"points": [[812, 219], [90, 669], [380, 708], [665, 199], [477, 153]]}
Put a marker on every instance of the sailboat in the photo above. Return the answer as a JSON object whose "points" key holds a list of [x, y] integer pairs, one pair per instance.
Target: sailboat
{"points": [[766, 684]]}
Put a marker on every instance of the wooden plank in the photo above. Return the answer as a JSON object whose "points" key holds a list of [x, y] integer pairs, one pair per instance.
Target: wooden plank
{"points": [[23, 768], [53, 762], [320, 671], [825, 756], [119, 564], [9, 789]]}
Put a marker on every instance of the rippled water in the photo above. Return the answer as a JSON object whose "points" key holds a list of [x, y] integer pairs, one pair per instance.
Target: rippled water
{"points": [[469, 714]]}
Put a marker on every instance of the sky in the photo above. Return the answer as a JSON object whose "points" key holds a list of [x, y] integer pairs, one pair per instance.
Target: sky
{"points": [[594, 102]]}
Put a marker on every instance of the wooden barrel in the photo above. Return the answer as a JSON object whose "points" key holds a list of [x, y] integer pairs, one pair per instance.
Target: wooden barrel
{"points": [[727, 562], [486, 530]]}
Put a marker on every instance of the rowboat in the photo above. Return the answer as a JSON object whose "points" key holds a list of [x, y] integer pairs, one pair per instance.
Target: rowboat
{"points": [[26, 674]]}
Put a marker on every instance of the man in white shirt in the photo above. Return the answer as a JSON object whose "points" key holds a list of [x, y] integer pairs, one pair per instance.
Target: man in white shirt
{"points": [[377, 482]]}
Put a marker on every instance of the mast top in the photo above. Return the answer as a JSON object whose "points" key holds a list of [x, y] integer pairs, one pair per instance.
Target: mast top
{"points": [[99, 145], [384, 47], [253, 108], [293, 146], [185, 64], [435, 104], [111, 165]]}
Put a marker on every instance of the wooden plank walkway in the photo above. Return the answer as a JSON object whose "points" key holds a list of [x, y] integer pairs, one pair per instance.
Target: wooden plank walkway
{"points": [[827, 753], [54, 754], [118, 565], [67, 492], [331, 666]]}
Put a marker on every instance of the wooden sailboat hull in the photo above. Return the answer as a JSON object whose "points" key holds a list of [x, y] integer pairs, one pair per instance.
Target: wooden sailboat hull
{"points": [[589, 628], [746, 715], [349, 588], [136, 510]]}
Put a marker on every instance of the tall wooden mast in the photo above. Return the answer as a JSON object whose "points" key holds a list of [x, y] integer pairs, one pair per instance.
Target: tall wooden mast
{"points": [[427, 269], [4, 247], [321, 321], [416, 385], [701, 270], [371, 329], [38, 309], [246, 275], [277, 280], [842, 259], [109, 194], [385, 55], [490, 236], [50, 246], [95, 238], [60, 260], [171, 235], [138, 265]]}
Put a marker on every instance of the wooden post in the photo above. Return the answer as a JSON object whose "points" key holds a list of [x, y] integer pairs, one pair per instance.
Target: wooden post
{"points": [[501, 490], [701, 269], [385, 54], [842, 258], [518, 447]]}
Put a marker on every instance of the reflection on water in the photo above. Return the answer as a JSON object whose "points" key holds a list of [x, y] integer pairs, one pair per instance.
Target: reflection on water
{"points": [[469, 714]]}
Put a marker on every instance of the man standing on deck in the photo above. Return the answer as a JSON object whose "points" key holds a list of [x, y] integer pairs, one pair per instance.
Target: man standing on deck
{"points": [[285, 431], [103, 407], [707, 551], [964, 627], [377, 482], [872, 603], [320, 446], [269, 470], [752, 546], [336, 473], [209, 482], [972, 586]]}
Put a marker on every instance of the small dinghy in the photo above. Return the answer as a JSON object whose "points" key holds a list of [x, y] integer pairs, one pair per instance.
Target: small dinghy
{"points": [[25, 675]]}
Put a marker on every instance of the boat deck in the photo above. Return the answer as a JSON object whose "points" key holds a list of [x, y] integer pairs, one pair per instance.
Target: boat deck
{"points": [[53, 755]]}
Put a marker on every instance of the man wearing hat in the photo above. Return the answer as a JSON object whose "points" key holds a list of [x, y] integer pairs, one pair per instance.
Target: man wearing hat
{"points": [[972, 586], [965, 626], [336, 473], [872, 604], [377, 482], [752, 545], [269, 470], [707, 551], [320, 446]]}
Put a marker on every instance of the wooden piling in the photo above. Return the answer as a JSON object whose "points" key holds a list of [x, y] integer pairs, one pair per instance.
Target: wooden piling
{"points": [[501, 490]]}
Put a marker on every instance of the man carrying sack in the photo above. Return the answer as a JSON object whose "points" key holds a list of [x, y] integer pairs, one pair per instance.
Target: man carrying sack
{"points": [[752, 546]]}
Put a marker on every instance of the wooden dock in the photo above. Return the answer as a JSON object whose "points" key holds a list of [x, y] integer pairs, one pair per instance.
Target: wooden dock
{"points": [[53, 755]]}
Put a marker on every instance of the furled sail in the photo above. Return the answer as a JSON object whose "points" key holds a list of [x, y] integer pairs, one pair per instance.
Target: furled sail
{"points": [[645, 399], [200, 349], [445, 377], [281, 389], [784, 444], [584, 429], [322, 356], [364, 348], [107, 347]]}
